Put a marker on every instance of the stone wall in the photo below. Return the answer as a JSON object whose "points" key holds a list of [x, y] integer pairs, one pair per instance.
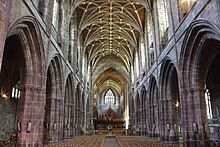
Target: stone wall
{"points": [[45, 50], [203, 17]]}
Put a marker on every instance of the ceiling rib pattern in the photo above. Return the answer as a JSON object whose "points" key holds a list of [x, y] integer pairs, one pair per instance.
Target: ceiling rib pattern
{"points": [[110, 27]]}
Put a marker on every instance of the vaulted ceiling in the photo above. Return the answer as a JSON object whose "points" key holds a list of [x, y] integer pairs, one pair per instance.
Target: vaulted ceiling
{"points": [[110, 32]]}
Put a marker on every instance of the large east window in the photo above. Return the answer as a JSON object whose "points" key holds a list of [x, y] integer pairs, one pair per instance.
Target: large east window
{"points": [[109, 97]]}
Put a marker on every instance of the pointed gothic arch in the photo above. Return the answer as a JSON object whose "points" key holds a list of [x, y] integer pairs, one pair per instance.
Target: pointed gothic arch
{"points": [[154, 104], [170, 100], [200, 49], [53, 131], [24, 40], [69, 109]]}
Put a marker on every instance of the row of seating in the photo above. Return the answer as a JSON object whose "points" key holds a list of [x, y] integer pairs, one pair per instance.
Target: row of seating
{"points": [[123, 141], [137, 141], [82, 141]]}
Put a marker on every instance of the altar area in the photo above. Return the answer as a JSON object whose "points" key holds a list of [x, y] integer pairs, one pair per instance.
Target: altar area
{"points": [[109, 123]]}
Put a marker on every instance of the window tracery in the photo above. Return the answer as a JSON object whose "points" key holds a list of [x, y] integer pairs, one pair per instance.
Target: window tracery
{"points": [[109, 97], [16, 92]]}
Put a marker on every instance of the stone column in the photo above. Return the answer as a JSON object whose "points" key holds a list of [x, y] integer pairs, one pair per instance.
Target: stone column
{"points": [[194, 119], [5, 6], [162, 120], [30, 118], [170, 120]]}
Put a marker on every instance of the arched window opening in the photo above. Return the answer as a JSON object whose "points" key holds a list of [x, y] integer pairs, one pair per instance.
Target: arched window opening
{"points": [[84, 65], [72, 43], [79, 53], [143, 55], [163, 22], [16, 92], [109, 97], [132, 74], [208, 103], [150, 36], [55, 14], [136, 65], [151, 53], [185, 7]]}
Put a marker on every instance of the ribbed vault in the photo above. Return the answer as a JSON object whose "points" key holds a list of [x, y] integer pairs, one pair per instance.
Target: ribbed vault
{"points": [[110, 27], [110, 32], [110, 79]]}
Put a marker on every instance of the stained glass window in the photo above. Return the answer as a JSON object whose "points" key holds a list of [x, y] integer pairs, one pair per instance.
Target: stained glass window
{"points": [[109, 97]]}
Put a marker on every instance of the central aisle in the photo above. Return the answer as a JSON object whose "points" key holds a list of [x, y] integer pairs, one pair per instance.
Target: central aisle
{"points": [[110, 142]]}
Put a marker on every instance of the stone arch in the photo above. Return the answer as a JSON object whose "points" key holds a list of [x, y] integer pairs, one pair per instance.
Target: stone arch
{"points": [[27, 30], [200, 48], [53, 119], [153, 120], [24, 40], [69, 109], [170, 101], [72, 34], [109, 66], [199, 31]]}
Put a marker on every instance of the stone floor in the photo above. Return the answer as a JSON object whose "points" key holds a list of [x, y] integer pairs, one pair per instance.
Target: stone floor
{"points": [[81, 141], [137, 141], [113, 141]]}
